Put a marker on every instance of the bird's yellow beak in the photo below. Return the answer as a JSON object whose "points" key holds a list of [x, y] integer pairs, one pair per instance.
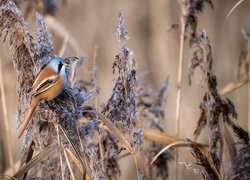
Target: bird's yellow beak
{"points": [[65, 64]]}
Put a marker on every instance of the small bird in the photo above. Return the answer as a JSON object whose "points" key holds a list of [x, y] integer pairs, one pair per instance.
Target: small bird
{"points": [[48, 85]]}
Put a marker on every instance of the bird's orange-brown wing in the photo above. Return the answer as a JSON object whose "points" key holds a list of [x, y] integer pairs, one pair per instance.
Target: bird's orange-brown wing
{"points": [[44, 81]]}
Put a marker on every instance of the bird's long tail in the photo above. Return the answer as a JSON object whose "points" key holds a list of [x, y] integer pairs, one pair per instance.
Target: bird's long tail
{"points": [[28, 117]]}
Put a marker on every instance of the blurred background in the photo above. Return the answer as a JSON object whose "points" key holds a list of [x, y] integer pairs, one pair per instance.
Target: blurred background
{"points": [[93, 23]]}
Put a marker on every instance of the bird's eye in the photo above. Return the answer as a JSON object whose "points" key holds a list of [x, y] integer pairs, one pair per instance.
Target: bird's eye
{"points": [[60, 65]]}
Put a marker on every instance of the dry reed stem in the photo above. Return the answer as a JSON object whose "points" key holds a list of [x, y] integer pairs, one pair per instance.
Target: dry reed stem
{"points": [[231, 11], [35, 160], [75, 160], [159, 137], [5, 120], [176, 143], [94, 74], [179, 88], [233, 86], [179, 78], [7, 177], [136, 166], [82, 150], [248, 103], [72, 146], [60, 146], [221, 152], [83, 162], [68, 163], [95, 53]]}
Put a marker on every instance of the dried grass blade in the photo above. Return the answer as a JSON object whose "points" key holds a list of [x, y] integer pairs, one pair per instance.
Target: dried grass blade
{"points": [[233, 86], [75, 160], [7, 177], [231, 11], [5, 119], [68, 163], [35, 160], [137, 168], [60, 152], [111, 127], [177, 143], [73, 147], [84, 165], [163, 138], [159, 137]]}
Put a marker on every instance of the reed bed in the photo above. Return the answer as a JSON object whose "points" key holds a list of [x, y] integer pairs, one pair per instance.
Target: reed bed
{"points": [[75, 137]]}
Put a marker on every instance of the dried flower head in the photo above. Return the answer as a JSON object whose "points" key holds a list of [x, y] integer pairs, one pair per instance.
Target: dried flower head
{"points": [[202, 160], [152, 113], [241, 165], [190, 9], [214, 109], [122, 104]]}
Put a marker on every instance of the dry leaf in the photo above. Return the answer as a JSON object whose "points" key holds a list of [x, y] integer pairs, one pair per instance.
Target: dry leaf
{"points": [[35, 160]]}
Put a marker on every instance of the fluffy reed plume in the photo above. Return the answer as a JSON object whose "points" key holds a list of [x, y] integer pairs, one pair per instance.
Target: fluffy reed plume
{"points": [[132, 102], [29, 55], [212, 106], [151, 115], [188, 31], [215, 111], [241, 165], [121, 106]]}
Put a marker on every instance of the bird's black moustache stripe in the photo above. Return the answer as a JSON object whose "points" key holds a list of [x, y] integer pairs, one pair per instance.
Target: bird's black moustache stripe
{"points": [[59, 67]]}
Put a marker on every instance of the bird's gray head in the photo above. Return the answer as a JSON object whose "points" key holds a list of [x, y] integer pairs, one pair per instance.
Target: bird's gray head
{"points": [[59, 65]]}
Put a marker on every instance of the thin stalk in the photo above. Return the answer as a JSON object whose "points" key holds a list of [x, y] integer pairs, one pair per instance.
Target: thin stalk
{"points": [[82, 150], [231, 11], [70, 168], [60, 145], [179, 79], [179, 88], [5, 117], [137, 168], [248, 103], [95, 53]]}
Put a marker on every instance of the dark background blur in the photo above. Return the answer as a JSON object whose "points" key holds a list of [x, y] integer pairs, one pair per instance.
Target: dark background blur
{"points": [[94, 22]]}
